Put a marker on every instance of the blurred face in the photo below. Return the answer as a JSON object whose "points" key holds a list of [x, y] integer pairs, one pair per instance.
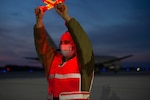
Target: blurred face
{"points": [[67, 46], [67, 49]]}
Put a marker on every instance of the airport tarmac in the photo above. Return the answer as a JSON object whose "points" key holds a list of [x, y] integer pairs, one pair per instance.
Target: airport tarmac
{"points": [[33, 86]]}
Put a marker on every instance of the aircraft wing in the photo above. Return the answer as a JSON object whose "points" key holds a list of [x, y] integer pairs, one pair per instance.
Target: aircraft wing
{"points": [[109, 62], [116, 59]]}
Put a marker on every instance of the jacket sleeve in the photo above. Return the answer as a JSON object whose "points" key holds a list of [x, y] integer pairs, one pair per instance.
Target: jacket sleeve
{"points": [[83, 44], [44, 47], [84, 53]]}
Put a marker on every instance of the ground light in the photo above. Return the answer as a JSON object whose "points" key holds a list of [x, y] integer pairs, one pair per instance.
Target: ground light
{"points": [[127, 69], [147, 69], [4, 71], [103, 69], [30, 70]]}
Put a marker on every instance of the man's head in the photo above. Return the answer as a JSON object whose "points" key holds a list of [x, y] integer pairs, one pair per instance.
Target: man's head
{"points": [[67, 45]]}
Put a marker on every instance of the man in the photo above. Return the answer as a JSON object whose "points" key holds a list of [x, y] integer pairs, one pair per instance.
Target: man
{"points": [[69, 72]]}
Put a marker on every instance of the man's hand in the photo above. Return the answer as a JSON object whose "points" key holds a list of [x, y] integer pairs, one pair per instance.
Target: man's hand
{"points": [[62, 10], [39, 13]]}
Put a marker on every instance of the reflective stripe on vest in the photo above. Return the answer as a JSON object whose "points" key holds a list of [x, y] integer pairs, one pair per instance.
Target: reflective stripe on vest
{"points": [[74, 95], [65, 76]]}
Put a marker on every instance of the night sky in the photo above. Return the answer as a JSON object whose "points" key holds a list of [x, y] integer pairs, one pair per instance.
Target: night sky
{"points": [[115, 28]]}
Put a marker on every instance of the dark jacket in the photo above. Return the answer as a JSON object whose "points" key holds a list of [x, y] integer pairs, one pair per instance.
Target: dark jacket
{"points": [[46, 51]]}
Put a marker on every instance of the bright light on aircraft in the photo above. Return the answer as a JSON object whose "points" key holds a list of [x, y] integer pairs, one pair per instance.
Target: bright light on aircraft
{"points": [[138, 69]]}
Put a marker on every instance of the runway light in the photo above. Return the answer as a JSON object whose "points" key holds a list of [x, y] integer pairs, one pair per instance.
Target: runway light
{"points": [[4, 71], [30, 70], [127, 69], [103, 69], [8, 69], [147, 68]]}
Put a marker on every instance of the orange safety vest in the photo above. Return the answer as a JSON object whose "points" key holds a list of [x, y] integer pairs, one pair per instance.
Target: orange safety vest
{"points": [[65, 77]]}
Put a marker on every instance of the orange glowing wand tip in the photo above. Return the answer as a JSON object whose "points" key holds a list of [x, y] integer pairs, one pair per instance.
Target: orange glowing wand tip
{"points": [[51, 3]]}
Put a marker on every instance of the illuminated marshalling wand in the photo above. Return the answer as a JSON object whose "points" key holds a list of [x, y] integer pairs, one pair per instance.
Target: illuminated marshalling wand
{"points": [[51, 3]]}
